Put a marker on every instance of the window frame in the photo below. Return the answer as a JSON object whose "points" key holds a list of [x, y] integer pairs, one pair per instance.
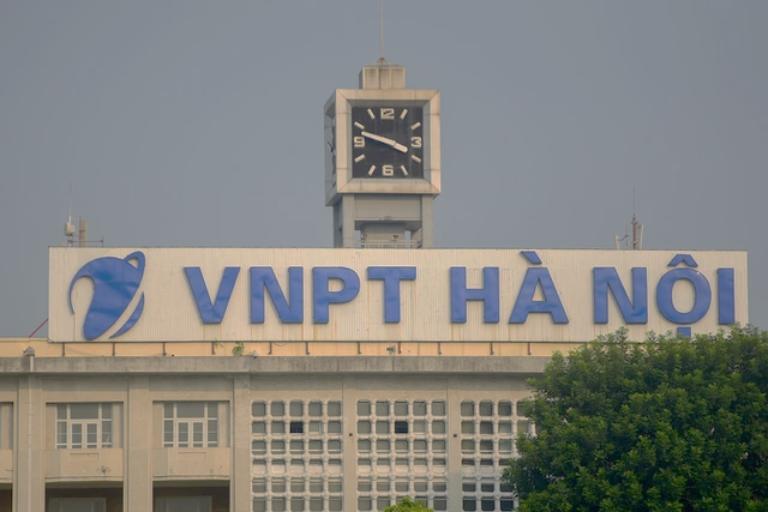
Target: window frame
{"points": [[191, 426], [105, 437]]}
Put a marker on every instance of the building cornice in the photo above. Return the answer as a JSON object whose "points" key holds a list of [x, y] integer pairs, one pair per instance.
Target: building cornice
{"points": [[405, 365]]}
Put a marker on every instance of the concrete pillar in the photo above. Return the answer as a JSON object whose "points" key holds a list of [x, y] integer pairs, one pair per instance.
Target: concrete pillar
{"points": [[29, 462], [137, 487], [349, 444], [427, 239], [453, 404], [240, 475], [337, 242], [348, 221]]}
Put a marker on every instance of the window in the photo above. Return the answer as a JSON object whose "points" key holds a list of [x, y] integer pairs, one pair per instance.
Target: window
{"points": [[190, 425], [402, 448], [184, 504], [297, 460], [487, 445], [77, 504], [6, 425], [84, 425]]}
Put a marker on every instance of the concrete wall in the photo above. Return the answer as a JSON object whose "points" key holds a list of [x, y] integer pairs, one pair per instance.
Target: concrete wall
{"points": [[139, 385]]}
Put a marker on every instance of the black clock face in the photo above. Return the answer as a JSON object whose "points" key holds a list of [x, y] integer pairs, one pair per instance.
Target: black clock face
{"points": [[387, 141]]}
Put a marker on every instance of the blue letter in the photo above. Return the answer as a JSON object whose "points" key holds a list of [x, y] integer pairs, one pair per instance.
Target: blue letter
{"points": [[702, 295], [606, 278], [392, 277], [524, 304], [322, 297], [488, 294], [211, 314], [726, 314], [289, 312]]}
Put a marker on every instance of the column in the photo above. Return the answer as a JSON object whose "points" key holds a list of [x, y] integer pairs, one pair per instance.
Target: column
{"points": [[348, 221], [454, 448], [349, 395], [29, 447], [427, 240], [137, 486], [240, 479]]}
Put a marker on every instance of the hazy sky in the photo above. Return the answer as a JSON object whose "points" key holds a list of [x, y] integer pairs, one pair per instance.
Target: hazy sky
{"points": [[200, 123]]}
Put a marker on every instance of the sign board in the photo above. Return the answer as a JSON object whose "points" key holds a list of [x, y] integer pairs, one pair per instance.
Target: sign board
{"points": [[208, 294]]}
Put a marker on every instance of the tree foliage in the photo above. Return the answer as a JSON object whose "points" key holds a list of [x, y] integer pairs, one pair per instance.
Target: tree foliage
{"points": [[408, 505], [669, 425]]}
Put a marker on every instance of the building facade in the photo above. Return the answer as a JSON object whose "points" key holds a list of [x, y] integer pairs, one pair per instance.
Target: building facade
{"points": [[343, 379], [212, 433]]}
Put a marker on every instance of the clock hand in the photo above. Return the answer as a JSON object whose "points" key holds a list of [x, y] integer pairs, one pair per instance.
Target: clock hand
{"points": [[384, 140]]}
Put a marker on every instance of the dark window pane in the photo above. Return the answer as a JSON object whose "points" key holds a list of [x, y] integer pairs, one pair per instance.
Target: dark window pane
{"points": [[84, 411], [363, 408], [277, 409], [259, 409], [190, 410], [106, 434], [334, 409]]}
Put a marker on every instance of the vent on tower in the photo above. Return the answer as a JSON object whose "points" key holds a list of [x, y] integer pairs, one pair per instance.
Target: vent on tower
{"points": [[382, 75]]}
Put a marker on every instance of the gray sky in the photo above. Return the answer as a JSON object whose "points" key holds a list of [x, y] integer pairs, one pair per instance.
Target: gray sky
{"points": [[200, 123]]}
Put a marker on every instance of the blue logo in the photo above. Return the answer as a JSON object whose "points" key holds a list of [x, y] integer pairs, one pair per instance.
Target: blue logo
{"points": [[115, 283]]}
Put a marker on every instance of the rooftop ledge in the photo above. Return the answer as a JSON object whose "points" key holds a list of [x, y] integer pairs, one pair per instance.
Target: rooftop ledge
{"points": [[514, 365], [44, 349]]}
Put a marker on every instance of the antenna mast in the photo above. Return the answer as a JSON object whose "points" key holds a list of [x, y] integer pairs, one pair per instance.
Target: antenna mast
{"points": [[637, 228], [381, 31], [634, 239]]}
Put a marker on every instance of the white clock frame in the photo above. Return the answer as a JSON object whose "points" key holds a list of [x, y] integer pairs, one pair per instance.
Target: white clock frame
{"points": [[338, 178]]}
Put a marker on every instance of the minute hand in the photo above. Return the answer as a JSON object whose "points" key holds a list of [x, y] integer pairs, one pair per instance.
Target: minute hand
{"points": [[385, 140]]}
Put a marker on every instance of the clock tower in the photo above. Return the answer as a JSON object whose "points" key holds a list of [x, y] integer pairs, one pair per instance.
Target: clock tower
{"points": [[382, 170]]}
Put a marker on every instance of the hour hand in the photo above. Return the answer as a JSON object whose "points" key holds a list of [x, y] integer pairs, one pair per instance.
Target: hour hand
{"points": [[386, 140]]}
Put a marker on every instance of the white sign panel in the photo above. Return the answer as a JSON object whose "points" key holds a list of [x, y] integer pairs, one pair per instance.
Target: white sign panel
{"points": [[206, 294]]}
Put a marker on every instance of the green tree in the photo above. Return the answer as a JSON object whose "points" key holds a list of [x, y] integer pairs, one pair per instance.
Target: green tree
{"points": [[408, 505], [667, 425]]}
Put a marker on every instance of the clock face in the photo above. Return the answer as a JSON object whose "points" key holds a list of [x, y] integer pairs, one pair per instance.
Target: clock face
{"points": [[387, 141]]}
